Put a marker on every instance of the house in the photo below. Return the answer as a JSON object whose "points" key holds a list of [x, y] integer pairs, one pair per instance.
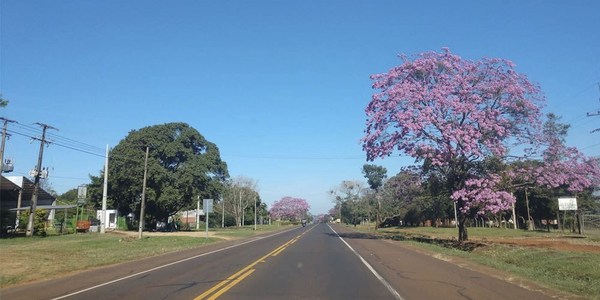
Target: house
{"points": [[16, 191], [15, 195]]}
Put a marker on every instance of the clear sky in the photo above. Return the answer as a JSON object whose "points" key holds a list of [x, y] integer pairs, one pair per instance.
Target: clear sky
{"points": [[279, 86]]}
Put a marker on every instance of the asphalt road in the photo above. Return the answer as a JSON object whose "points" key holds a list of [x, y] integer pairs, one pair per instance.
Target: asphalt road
{"points": [[313, 262]]}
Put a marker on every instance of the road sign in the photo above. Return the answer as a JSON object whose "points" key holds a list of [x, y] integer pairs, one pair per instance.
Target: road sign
{"points": [[82, 192], [567, 203], [208, 205]]}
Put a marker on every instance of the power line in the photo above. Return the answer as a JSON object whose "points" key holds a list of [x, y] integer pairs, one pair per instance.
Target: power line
{"points": [[72, 146]]}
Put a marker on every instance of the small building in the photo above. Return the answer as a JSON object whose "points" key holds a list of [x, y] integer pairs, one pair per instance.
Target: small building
{"points": [[15, 196], [110, 220], [16, 192]]}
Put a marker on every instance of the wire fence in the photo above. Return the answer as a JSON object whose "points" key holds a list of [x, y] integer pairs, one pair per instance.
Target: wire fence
{"points": [[591, 224]]}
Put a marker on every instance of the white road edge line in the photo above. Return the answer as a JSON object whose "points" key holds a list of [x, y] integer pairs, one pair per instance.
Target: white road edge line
{"points": [[381, 279], [167, 265]]}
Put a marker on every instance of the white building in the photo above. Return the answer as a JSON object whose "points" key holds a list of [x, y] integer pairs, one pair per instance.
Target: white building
{"points": [[110, 222]]}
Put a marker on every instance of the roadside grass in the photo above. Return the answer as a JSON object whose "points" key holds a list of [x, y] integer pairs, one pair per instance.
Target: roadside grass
{"points": [[31, 259], [246, 231], [480, 232], [573, 272]]}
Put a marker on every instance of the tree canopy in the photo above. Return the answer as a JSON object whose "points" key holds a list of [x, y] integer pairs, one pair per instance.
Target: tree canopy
{"points": [[452, 114], [375, 175], [182, 166], [289, 208]]}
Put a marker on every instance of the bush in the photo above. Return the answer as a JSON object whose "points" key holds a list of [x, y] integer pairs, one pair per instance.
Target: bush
{"points": [[39, 221]]}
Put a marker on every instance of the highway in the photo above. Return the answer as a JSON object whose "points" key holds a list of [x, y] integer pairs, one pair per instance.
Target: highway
{"points": [[315, 262]]}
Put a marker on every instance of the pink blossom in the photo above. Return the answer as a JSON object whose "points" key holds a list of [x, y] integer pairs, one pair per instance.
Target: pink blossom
{"points": [[451, 112], [289, 208]]}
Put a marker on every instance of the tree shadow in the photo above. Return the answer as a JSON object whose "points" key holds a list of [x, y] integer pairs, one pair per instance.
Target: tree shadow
{"points": [[450, 243], [354, 235]]}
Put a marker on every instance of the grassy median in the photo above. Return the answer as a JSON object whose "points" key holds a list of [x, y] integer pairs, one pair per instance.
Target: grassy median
{"points": [[30, 259]]}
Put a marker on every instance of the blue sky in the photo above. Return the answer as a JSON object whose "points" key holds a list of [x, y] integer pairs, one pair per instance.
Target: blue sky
{"points": [[279, 86]]}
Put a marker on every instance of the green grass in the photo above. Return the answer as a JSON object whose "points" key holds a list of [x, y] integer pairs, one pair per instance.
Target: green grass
{"points": [[247, 231], [40, 258], [572, 272], [30, 259]]}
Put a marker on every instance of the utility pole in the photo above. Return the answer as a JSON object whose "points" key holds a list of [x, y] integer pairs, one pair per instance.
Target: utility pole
{"points": [[255, 212], [597, 113], [141, 225], [36, 183], [4, 135], [223, 212], [198, 214], [104, 194]]}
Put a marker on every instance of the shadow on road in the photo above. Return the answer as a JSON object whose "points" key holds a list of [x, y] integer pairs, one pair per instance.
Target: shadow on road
{"points": [[447, 243]]}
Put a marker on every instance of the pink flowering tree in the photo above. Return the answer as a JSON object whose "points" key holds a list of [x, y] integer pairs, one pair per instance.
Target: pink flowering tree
{"points": [[451, 114], [289, 208], [560, 166]]}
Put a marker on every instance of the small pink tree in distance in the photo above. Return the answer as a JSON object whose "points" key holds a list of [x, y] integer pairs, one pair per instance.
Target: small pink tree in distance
{"points": [[451, 114], [289, 208]]}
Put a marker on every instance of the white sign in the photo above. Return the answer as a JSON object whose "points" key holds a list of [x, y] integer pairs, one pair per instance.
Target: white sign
{"points": [[567, 203], [81, 192], [208, 205]]}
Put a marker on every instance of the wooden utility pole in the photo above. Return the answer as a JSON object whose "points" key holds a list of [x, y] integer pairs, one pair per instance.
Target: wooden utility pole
{"points": [[143, 204], [36, 184]]}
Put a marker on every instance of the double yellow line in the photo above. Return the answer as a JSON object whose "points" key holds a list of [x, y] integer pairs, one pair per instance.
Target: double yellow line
{"points": [[234, 279]]}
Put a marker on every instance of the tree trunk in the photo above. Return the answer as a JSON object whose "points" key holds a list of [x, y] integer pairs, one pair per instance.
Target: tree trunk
{"points": [[462, 229], [378, 218]]}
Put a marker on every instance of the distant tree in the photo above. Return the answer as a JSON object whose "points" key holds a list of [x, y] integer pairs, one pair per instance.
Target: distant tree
{"points": [[239, 195], [95, 191], [351, 200], [400, 192], [561, 165], [68, 197], [46, 185], [376, 176], [450, 113], [290, 209], [3, 102], [182, 166], [563, 169], [333, 212]]}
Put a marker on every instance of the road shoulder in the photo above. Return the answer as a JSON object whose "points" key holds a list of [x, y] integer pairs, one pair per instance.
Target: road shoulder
{"points": [[406, 267]]}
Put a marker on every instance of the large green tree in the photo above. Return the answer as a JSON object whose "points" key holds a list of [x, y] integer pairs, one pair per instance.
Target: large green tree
{"points": [[182, 166]]}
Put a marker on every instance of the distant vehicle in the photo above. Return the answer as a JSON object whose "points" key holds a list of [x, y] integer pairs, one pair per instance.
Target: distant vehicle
{"points": [[303, 223]]}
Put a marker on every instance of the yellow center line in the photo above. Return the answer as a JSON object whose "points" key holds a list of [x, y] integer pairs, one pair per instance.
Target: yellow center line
{"points": [[232, 277], [231, 284], [243, 273], [279, 251]]}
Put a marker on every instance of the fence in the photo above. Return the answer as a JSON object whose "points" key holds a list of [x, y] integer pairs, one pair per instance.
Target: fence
{"points": [[590, 223]]}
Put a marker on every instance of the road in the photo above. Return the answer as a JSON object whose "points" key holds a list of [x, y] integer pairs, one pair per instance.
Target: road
{"points": [[314, 262]]}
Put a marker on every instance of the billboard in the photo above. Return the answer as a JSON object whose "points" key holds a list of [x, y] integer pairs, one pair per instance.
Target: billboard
{"points": [[567, 203]]}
